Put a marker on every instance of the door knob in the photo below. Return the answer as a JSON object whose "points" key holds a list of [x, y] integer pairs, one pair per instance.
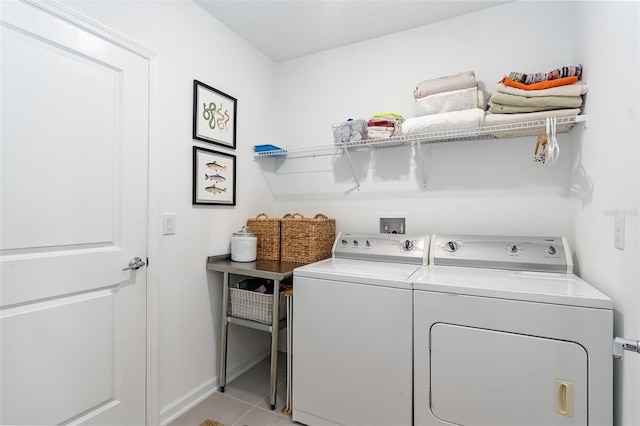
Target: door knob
{"points": [[134, 263]]}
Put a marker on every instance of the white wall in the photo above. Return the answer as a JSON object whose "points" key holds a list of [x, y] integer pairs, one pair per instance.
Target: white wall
{"points": [[472, 187], [193, 45], [486, 186], [608, 45]]}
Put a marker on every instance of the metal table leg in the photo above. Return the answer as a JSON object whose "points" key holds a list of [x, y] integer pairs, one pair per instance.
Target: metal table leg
{"points": [[289, 297], [225, 328], [275, 328]]}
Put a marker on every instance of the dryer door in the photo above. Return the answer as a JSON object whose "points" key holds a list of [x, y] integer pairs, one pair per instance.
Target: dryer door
{"points": [[486, 377]]}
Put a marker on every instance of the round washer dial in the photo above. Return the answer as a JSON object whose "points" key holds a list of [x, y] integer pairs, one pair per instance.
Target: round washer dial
{"points": [[451, 246]]}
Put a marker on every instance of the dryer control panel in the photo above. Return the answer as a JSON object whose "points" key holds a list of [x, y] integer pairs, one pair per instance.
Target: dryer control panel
{"points": [[539, 254], [397, 248]]}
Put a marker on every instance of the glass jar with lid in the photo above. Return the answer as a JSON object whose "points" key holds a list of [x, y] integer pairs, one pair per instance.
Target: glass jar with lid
{"points": [[244, 246]]}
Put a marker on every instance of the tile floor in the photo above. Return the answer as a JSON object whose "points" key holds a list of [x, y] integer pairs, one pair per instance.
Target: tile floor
{"points": [[245, 401]]}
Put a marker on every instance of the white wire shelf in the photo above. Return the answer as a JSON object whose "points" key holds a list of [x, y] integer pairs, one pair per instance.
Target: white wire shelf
{"points": [[525, 128]]}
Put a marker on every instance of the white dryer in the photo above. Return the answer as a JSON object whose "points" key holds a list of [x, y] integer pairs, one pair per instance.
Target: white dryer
{"points": [[352, 332], [506, 334]]}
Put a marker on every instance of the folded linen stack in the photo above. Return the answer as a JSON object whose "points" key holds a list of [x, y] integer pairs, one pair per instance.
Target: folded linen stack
{"points": [[557, 74], [445, 94], [446, 103], [384, 125], [530, 97], [524, 93]]}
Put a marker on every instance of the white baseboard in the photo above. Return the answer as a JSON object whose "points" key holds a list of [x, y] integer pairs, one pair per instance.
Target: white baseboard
{"points": [[195, 396]]}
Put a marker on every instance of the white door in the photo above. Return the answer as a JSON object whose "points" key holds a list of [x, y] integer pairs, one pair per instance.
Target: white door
{"points": [[74, 155]]}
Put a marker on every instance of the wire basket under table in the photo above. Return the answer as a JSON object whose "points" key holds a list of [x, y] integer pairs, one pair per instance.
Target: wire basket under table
{"points": [[254, 305]]}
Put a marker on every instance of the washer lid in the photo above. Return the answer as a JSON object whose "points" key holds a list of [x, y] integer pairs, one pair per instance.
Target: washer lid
{"points": [[360, 271], [542, 287]]}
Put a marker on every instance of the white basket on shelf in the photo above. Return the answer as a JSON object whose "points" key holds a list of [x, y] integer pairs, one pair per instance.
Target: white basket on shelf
{"points": [[255, 306]]}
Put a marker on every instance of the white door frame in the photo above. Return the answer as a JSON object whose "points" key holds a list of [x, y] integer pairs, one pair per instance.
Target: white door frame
{"points": [[81, 21]]}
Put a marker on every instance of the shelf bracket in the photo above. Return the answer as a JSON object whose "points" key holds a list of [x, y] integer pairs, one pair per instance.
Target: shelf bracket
{"points": [[420, 162], [353, 170]]}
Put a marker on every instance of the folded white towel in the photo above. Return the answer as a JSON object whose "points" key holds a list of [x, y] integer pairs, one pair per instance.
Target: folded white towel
{"points": [[454, 120], [379, 132], [454, 100]]}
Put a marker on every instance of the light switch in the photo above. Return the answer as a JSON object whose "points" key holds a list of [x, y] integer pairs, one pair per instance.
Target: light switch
{"points": [[168, 223]]}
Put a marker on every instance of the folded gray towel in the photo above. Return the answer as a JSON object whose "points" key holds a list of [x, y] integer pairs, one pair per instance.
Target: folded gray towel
{"points": [[540, 101], [464, 80]]}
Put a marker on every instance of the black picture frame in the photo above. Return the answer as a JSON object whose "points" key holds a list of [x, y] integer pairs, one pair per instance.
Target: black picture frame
{"points": [[214, 177], [214, 115]]}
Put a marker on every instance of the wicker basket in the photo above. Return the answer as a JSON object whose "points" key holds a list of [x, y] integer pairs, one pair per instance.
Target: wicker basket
{"points": [[268, 233], [255, 306], [306, 240]]}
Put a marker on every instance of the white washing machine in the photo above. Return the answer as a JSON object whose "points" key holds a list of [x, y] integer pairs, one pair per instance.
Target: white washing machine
{"points": [[506, 334], [352, 333]]}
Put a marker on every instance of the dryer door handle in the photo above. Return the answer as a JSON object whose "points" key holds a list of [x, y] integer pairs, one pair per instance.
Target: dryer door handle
{"points": [[564, 398]]}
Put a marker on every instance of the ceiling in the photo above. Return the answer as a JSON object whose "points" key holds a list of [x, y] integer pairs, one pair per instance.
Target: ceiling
{"points": [[292, 28]]}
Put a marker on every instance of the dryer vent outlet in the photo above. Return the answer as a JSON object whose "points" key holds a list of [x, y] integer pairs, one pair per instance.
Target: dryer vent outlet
{"points": [[393, 225]]}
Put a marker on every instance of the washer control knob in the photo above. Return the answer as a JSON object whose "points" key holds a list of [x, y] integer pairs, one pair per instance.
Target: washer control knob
{"points": [[344, 242], [356, 243], [367, 243], [451, 247], [407, 245], [514, 249], [552, 250]]}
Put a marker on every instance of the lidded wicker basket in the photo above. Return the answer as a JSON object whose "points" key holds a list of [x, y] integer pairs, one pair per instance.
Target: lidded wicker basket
{"points": [[306, 240]]}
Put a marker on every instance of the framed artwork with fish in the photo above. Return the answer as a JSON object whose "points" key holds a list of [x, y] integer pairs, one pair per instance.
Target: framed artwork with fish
{"points": [[214, 115], [214, 177]]}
